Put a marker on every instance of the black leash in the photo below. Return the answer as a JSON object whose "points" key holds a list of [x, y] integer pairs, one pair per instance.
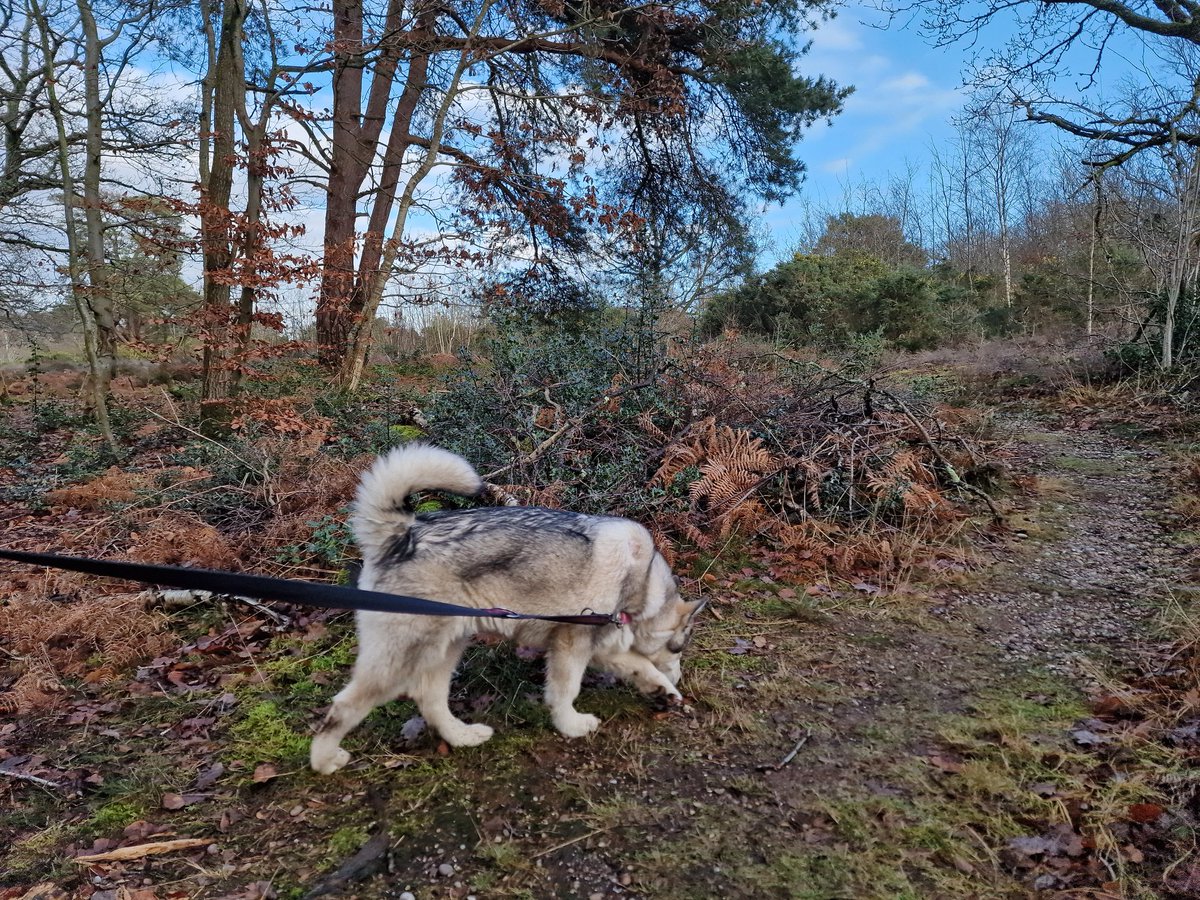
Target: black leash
{"points": [[309, 593]]}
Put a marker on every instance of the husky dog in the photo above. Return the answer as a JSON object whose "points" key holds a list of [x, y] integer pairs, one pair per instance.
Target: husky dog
{"points": [[527, 559]]}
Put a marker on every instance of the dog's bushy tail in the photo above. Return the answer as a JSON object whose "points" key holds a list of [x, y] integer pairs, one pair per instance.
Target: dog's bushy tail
{"points": [[382, 512]]}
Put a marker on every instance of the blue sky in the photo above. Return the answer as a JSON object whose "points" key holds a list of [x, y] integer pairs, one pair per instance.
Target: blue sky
{"points": [[905, 94]]}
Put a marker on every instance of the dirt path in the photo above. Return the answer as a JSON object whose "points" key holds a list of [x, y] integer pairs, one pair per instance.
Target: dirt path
{"points": [[1097, 564], [937, 737]]}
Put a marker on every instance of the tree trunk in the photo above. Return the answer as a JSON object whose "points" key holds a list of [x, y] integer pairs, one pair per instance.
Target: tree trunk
{"points": [[251, 246], [227, 84], [80, 292], [99, 293], [1091, 289], [373, 281], [355, 138]]}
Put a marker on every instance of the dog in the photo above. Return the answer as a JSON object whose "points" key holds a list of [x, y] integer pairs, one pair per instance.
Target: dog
{"points": [[528, 559]]}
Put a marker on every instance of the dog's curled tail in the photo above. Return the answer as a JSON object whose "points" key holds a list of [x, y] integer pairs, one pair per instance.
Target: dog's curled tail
{"points": [[382, 512]]}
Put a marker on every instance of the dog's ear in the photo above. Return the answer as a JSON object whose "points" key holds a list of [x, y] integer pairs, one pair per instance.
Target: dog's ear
{"points": [[695, 607]]}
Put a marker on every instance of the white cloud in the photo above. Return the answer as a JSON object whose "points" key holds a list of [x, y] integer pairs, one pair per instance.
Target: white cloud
{"points": [[837, 34], [895, 100], [839, 166], [908, 82]]}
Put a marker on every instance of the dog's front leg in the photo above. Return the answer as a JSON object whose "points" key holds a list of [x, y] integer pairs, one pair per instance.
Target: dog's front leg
{"points": [[566, 659], [639, 671]]}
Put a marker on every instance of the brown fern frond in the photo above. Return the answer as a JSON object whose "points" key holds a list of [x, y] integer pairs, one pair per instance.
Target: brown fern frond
{"points": [[646, 422]]}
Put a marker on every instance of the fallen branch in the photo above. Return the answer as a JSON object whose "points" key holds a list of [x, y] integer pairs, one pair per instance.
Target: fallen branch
{"points": [[499, 495], [951, 472], [371, 858], [21, 776], [176, 599], [955, 479], [154, 848]]}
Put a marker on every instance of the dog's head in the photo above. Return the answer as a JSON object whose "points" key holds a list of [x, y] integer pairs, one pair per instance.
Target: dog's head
{"points": [[666, 630]]}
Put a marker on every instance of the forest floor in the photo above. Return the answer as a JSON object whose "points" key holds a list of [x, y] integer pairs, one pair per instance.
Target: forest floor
{"points": [[1024, 726]]}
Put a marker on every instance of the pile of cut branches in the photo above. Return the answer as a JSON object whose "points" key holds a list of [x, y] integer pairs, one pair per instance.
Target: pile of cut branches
{"points": [[728, 443]]}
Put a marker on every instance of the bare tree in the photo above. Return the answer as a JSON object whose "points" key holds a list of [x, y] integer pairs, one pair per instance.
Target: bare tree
{"points": [[102, 113], [1156, 207], [1000, 151], [95, 313], [223, 87], [1054, 37], [30, 150]]}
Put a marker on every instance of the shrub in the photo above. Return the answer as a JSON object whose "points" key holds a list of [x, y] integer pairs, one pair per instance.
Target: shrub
{"points": [[836, 300]]}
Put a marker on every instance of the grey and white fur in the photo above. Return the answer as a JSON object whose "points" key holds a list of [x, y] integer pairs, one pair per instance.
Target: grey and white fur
{"points": [[527, 559]]}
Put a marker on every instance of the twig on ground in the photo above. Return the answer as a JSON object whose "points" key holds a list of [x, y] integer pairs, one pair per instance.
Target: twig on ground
{"points": [[154, 848], [775, 767], [575, 840], [175, 599], [21, 776]]}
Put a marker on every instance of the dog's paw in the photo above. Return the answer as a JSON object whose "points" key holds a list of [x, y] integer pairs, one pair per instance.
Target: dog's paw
{"points": [[663, 700], [468, 735], [326, 762], [576, 725]]}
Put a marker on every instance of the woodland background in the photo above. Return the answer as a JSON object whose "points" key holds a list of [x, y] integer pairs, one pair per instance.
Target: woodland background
{"points": [[540, 245]]}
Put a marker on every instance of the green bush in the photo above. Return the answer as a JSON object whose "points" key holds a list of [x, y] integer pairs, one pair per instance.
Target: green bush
{"points": [[535, 373], [837, 301], [1143, 353]]}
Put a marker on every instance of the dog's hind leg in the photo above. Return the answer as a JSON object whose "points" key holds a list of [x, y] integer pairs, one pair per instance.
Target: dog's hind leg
{"points": [[566, 659], [431, 692]]}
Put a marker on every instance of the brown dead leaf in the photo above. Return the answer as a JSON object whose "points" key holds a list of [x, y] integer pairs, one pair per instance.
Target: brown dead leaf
{"points": [[1144, 813], [179, 801], [1133, 854], [140, 851], [264, 772], [209, 776], [946, 763]]}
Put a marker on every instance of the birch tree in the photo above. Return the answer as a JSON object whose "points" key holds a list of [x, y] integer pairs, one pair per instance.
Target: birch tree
{"points": [[99, 114]]}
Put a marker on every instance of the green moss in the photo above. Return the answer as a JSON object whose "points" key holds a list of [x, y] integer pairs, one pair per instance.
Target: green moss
{"points": [[34, 855], [264, 735], [1088, 466], [402, 434], [345, 842], [114, 816]]}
